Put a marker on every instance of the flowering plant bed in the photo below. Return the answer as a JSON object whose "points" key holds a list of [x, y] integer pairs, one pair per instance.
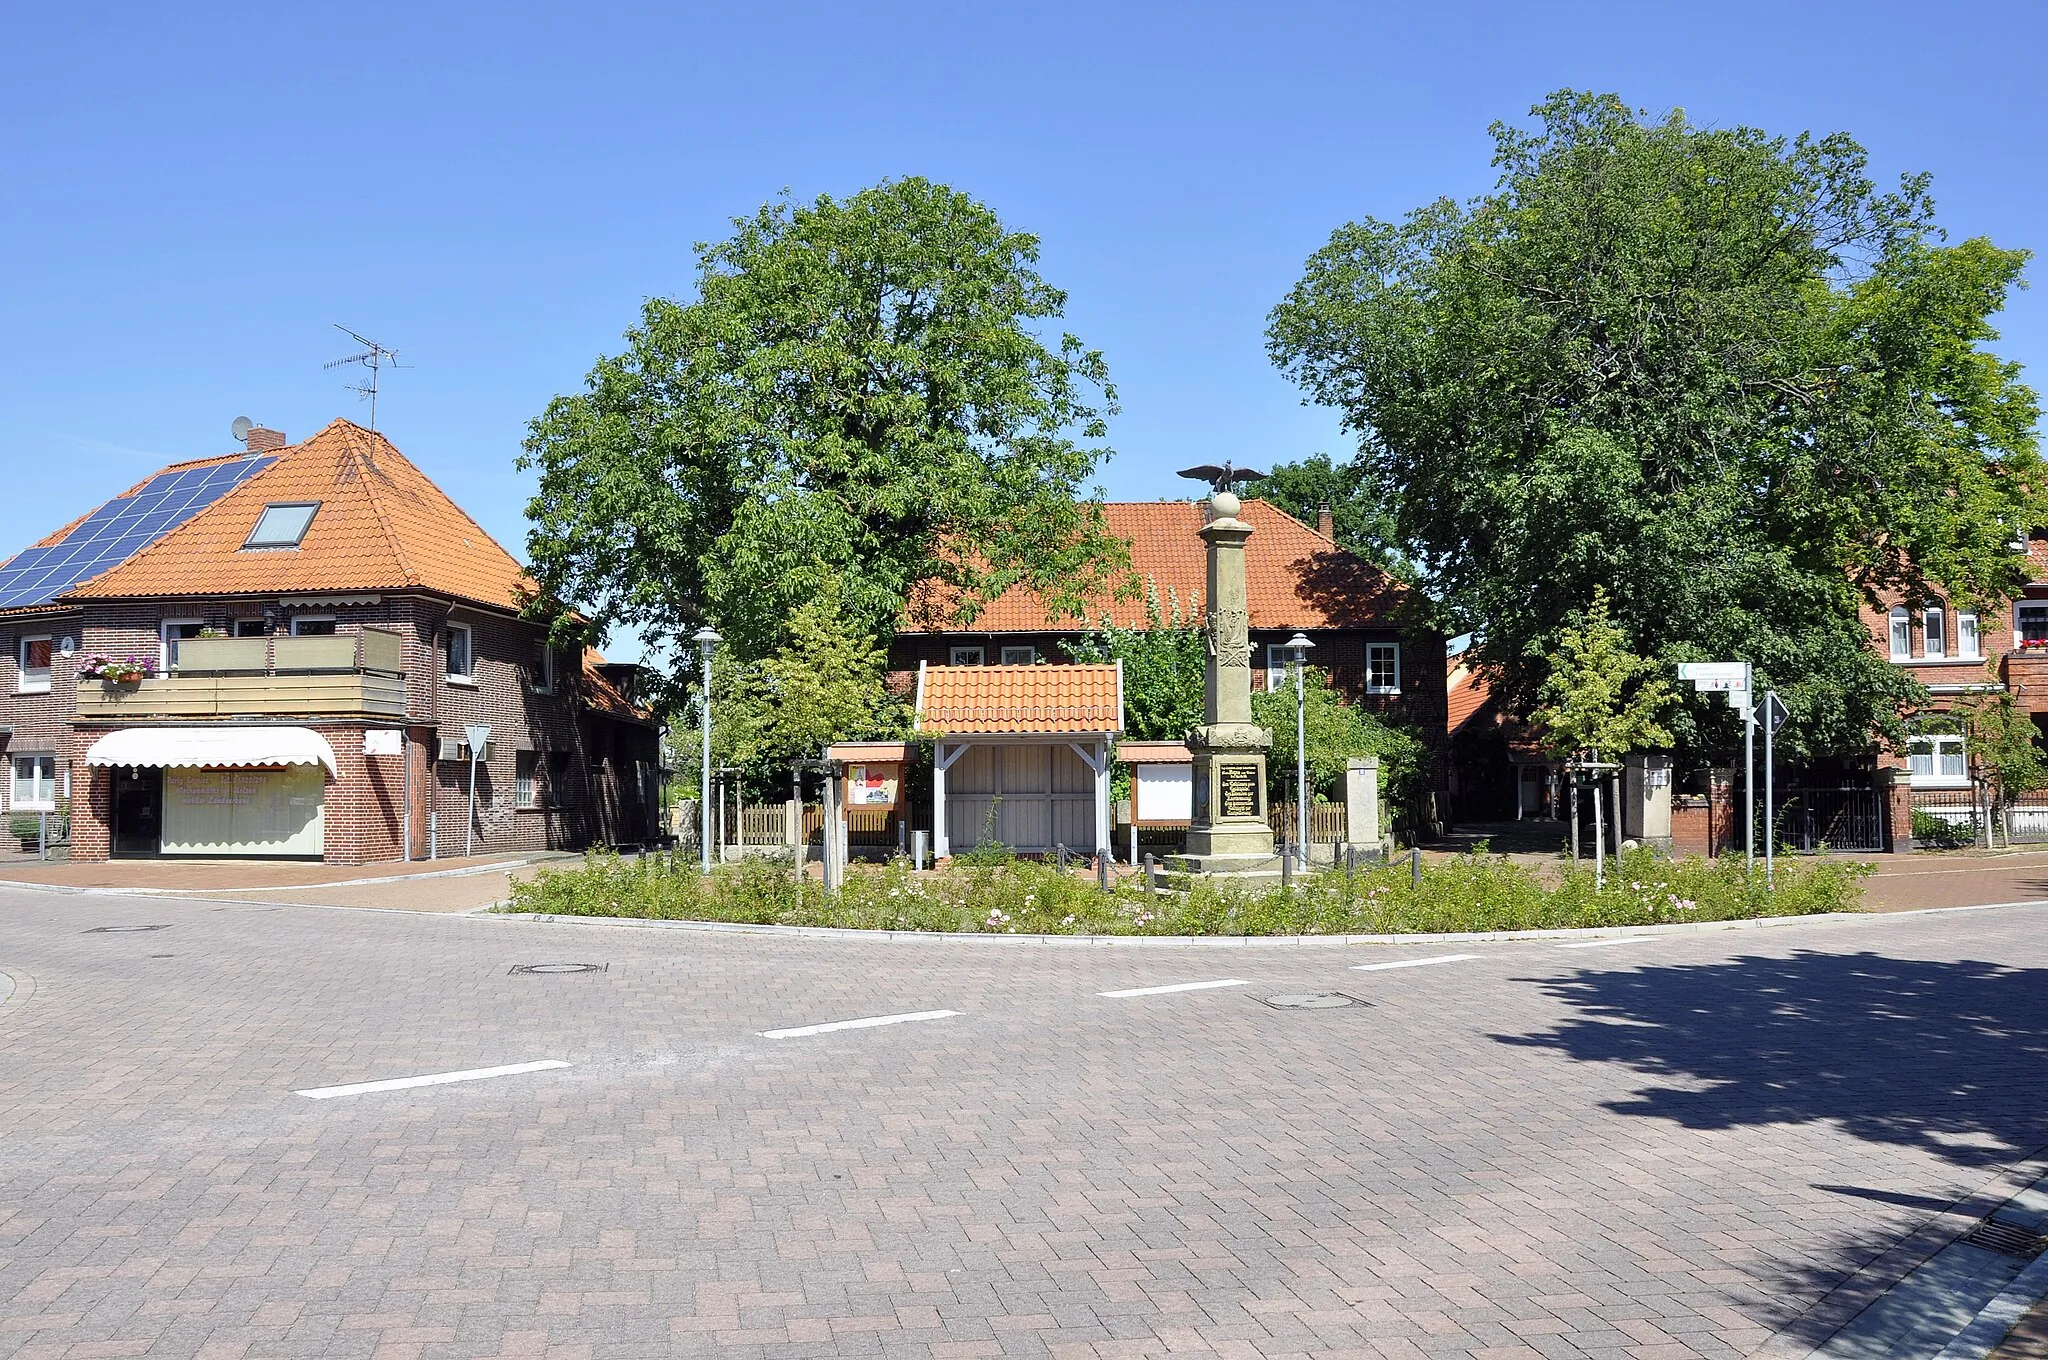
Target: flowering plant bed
{"points": [[124, 671], [1470, 893]]}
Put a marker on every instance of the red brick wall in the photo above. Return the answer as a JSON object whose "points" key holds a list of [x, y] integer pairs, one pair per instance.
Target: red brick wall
{"points": [[41, 721]]}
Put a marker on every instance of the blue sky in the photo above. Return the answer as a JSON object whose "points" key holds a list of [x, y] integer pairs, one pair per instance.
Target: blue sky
{"points": [[191, 195]]}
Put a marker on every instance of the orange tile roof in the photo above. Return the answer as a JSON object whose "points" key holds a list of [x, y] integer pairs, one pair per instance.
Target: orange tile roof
{"points": [[601, 694], [1294, 577], [382, 525], [1468, 693], [1020, 700]]}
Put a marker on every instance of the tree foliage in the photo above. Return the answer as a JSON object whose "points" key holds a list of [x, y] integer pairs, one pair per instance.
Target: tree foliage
{"points": [[1600, 696], [824, 684], [1165, 666], [1337, 730], [857, 393], [2002, 738], [1717, 371]]}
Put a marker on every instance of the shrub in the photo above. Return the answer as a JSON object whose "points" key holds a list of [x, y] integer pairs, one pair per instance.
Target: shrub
{"points": [[1944, 833], [1470, 893]]}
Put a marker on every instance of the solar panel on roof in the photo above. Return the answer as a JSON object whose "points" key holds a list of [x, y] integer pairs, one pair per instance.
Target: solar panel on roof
{"points": [[119, 529]]}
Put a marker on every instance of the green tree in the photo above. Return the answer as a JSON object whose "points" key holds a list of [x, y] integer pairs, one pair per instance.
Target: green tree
{"points": [[2002, 738], [824, 684], [1336, 731], [1717, 371], [1600, 696], [1165, 666], [1360, 510], [857, 393]]}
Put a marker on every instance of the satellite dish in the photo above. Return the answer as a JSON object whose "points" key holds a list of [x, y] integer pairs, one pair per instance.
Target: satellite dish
{"points": [[240, 429]]}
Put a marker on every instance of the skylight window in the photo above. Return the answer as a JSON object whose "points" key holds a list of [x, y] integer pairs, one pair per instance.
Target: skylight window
{"points": [[282, 525]]}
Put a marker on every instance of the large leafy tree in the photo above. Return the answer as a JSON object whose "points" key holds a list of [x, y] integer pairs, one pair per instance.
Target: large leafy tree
{"points": [[859, 392], [1719, 372]]}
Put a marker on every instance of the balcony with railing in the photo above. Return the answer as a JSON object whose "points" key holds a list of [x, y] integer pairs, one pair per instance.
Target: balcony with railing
{"points": [[338, 676]]}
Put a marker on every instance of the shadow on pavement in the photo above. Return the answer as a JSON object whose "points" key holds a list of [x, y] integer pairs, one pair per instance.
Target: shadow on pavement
{"points": [[1948, 1057]]}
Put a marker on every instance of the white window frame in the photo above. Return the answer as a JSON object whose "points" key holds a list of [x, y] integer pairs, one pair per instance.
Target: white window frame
{"points": [[1969, 637], [526, 787], [966, 656], [1393, 647], [1934, 628], [41, 799], [165, 656], [1924, 771], [1010, 655], [299, 619], [544, 678], [27, 681], [1277, 665], [261, 625], [1901, 639], [2020, 610], [465, 678]]}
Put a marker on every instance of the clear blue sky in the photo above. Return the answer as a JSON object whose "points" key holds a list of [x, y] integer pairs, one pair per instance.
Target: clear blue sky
{"points": [[190, 195]]}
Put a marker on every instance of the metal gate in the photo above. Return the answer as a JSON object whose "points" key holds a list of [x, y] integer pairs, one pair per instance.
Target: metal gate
{"points": [[1832, 817]]}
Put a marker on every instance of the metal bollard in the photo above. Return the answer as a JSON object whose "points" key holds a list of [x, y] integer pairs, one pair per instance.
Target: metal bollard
{"points": [[919, 845], [1415, 865], [1287, 871]]}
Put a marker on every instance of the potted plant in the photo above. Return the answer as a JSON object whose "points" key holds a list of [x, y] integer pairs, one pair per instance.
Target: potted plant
{"points": [[28, 829], [124, 671]]}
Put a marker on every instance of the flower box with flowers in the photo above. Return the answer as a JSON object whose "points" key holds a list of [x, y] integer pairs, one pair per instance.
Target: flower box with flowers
{"points": [[2033, 647], [116, 671]]}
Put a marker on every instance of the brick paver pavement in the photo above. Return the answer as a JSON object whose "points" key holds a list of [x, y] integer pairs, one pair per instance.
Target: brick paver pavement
{"points": [[1668, 1147]]}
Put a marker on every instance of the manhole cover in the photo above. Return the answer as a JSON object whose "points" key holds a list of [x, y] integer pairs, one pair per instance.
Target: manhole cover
{"points": [[550, 968], [1312, 1001], [2006, 1239], [121, 930]]}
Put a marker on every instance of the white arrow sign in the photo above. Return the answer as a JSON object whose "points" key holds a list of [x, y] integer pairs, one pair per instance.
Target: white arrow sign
{"points": [[1700, 672]]}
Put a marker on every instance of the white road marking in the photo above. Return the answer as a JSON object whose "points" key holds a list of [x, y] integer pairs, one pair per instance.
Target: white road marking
{"points": [[869, 1023], [1411, 963], [1605, 941], [1178, 987], [434, 1079]]}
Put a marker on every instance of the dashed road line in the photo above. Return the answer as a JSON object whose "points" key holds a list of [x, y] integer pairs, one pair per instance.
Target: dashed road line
{"points": [[432, 1079], [1411, 963], [1179, 987], [869, 1022], [1604, 941]]}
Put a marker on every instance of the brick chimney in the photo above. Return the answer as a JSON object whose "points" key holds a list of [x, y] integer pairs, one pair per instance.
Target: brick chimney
{"points": [[1326, 523], [260, 440]]}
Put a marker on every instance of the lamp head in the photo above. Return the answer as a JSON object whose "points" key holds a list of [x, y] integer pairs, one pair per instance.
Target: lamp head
{"points": [[706, 638], [1300, 645]]}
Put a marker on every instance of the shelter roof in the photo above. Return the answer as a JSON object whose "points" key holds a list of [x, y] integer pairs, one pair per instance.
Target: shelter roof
{"points": [[1294, 577], [1020, 700], [1467, 692], [382, 525]]}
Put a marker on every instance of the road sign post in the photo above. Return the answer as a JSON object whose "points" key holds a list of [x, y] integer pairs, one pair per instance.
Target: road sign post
{"points": [[1775, 714], [478, 734], [1733, 679]]}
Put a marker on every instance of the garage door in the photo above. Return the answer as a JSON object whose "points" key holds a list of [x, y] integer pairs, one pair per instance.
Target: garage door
{"points": [[245, 812]]}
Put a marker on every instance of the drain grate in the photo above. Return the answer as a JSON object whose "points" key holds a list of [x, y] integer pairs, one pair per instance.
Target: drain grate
{"points": [[122, 930], [550, 969], [2006, 1240], [1312, 1001]]}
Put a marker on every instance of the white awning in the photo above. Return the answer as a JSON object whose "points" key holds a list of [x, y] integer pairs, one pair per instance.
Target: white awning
{"points": [[213, 747]]}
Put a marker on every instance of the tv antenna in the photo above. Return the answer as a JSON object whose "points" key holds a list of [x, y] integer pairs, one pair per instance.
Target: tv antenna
{"points": [[373, 357]]}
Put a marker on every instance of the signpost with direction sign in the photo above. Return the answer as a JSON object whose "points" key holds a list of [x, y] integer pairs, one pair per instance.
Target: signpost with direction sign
{"points": [[1733, 679], [479, 734], [1774, 717]]}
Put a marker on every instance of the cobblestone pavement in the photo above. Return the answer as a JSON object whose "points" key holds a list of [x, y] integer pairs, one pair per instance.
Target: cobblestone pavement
{"points": [[1667, 1147]]}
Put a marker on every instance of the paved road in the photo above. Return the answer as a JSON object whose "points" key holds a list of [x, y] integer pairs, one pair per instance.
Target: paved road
{"points": [[1668, 1147]]}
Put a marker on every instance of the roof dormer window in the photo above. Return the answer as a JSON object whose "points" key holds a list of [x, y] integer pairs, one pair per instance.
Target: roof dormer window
{"points": [[283, 524]]}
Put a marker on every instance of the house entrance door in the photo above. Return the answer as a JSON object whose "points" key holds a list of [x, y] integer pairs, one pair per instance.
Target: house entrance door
{"points": [[138, 811]]}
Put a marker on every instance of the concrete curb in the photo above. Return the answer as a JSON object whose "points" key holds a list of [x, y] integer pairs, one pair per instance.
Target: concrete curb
{"points": [[1235, 941], [2000, 1315]]}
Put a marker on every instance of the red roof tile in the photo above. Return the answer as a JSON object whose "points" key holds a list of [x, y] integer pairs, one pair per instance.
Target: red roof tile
{"points": [[1468, 694], [1020, 700], [382, 525], [1294, 577]]}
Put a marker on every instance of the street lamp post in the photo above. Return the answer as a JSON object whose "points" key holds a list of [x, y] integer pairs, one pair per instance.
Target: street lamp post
{"points": [[707, 639], [1298, 648]]}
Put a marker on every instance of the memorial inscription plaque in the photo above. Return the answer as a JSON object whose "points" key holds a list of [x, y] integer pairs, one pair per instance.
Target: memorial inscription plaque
{"points": [[1238, 789]]}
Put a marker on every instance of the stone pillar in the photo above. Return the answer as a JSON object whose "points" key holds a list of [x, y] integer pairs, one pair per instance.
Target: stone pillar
{"points": [[1229, 832], [1646, 800], [1362, 805]]}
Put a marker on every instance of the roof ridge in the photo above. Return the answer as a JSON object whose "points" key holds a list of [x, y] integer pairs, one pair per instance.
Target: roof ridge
{"points": [[365, 468]]}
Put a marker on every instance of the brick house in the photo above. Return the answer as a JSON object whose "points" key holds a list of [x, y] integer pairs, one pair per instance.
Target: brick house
{"points": [[1297, 580], [314, 626]]}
